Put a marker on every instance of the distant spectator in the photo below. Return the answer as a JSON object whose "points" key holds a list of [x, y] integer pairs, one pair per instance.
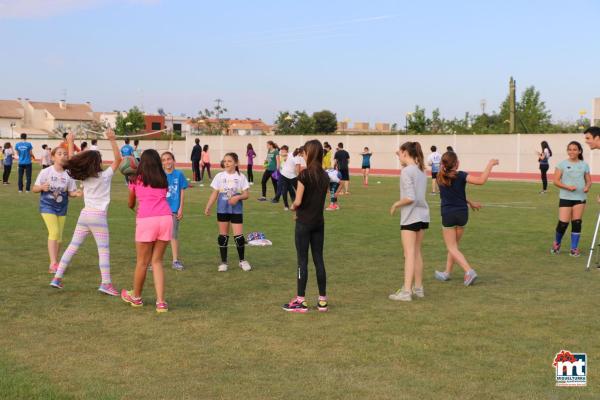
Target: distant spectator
{"points": [[195, 159]]}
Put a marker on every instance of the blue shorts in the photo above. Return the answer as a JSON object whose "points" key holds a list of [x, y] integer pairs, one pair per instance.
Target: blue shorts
{"points": [[452, 220]]}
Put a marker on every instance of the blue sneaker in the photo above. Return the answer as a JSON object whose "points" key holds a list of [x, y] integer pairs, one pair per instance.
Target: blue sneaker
{"points": [[57, 283], [470, 277], [442, 276], [178, 266]]}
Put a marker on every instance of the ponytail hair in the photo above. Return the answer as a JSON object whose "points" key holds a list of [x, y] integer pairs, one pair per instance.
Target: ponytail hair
{"points": [[414, 151], [448, 169], [576, 143], [236, 160]]}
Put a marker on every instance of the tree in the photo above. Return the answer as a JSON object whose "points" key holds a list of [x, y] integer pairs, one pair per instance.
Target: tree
{"points": [[298, 123], [531, 111], [325, 122], [418, 121], [133, 122], [161, 111], [211, 120]]}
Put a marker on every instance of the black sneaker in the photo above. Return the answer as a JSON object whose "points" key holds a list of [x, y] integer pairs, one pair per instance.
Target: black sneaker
{"points": [[262, 199], [274, 201]]}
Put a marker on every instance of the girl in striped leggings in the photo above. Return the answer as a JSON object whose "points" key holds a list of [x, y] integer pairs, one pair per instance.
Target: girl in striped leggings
{"points": [[87, 167]]}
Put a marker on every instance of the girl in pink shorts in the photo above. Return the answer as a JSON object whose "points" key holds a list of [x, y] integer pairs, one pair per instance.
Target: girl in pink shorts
{"points": [[153, 227]]}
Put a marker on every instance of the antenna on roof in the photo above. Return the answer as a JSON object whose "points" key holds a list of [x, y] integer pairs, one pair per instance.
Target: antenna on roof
{"points": [[64, 95]]}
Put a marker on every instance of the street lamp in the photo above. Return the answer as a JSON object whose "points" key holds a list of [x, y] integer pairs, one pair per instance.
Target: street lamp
{"points": [[12, 130]]}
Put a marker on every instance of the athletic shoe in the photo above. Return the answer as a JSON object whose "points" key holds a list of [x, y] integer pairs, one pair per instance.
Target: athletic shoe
{"points": [[109, 289], [52, 268], [274, 201], [27, 191], [337, 206], [331, 207], [575, 252], [322, 305], [222, 267], [57, 283], [419, 292], [245, 265], [296, 306], [470, 277], [262, 199], [127, 297], [162, 307], [202, 185], [442, 276], [555, 248], [251, 183], [543, 192], [401, 295], [178, 266], [20, 191], [286, 209]]}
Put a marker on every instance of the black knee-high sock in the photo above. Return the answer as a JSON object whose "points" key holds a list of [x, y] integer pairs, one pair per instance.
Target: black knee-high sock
{"points": [[223, 240], [240, 242]]}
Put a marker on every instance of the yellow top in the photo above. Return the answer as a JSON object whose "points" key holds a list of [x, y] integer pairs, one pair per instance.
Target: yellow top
{"points": [[327, 160]]}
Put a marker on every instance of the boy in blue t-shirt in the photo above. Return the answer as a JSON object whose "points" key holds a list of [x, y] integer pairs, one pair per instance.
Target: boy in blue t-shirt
{"points": [[25, 153], [127, 149], [177, 184]]}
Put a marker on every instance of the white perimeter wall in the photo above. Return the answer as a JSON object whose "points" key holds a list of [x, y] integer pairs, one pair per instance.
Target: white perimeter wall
{"points": [[517, 153]]}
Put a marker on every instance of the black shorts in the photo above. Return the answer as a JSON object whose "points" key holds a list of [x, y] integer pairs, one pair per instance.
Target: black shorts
{"points": [[433, 175], [455, 219], [366, 166], [416, 227], [233, 218], [569, 203], [345, 174]]}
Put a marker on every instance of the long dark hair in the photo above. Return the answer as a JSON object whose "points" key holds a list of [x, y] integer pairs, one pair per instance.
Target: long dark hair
{"points": [[576, 143], [249, 147], [314, 163], [414, 151], [546, 146], [236, 160], [448, 167], [150, 172], [273, 144], [84, 165]]}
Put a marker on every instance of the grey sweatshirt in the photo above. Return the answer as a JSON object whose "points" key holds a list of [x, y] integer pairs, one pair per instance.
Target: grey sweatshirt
{"points": [[413, 185]]}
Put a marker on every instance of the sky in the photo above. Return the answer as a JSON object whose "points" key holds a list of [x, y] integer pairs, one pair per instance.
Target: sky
{"points": [[369, 61]]}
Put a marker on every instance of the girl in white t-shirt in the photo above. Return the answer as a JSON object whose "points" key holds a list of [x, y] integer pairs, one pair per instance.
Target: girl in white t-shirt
{"points": [[230, 189], [87, 167], [288, 172]]}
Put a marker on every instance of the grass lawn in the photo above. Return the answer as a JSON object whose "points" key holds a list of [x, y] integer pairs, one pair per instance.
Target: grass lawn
{"points": [[226, 336]]}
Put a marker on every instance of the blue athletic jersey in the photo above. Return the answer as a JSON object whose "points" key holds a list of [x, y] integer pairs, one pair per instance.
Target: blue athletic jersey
{"points": [[454, 197], [177, 183], [24, 150], [573, 174], [127, 150], [366, 159], [229, 185]]}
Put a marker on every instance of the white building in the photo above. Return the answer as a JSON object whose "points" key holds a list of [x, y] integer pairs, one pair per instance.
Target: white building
{"points": [[12, 117], [178, 124]]}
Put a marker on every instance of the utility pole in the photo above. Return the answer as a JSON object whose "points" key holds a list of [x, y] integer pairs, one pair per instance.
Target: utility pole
{"points": [[512, 101]]}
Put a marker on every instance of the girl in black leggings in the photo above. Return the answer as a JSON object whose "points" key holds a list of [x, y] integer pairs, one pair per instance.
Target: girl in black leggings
{"points": [[543, 159], [313, 184]]}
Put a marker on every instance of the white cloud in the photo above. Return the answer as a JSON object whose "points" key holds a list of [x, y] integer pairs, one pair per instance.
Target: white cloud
{"points": [[19, 9]]}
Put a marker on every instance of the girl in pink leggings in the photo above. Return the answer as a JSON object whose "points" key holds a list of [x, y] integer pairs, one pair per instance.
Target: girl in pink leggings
{"points": [[153, 227]]}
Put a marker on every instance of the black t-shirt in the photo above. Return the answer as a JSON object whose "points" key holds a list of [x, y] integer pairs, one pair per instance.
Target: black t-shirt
{"points": [[454, 197], [310, 211], [342, 158], [196, 153]]}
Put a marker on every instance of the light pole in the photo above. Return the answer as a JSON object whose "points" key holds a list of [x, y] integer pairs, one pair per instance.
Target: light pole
{"points": [[12, 130]]}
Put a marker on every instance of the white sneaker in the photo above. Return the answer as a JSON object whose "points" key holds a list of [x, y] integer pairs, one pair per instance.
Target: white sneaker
{"points": [[222, 267], [245, 265], [401, 295], [419, 292]]}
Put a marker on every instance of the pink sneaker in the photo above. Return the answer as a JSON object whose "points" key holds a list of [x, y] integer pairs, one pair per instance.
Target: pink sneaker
{"points": [[127, 297], [109, 289], [331, 207], [162, 307], [53, 268]]}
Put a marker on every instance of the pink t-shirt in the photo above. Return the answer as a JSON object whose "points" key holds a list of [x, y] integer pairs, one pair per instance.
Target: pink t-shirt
{"points": [[152, 202], [205, 157]]}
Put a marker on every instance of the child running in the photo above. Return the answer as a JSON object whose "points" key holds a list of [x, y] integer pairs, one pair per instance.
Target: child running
{"points": [[414, 219], [313, 184], [87, 167], [55, 187], [334, 185], [572, 177], [177, 185], [433, 161], [230, 189], [153, 228], [455, 211], [366, 165]]}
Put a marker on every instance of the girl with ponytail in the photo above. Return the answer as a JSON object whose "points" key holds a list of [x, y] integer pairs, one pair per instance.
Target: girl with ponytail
{"points": [[414, 219], [455, 211]]}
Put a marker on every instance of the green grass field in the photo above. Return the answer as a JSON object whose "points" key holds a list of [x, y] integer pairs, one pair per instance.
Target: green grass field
{"points": [[226, 336]]}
